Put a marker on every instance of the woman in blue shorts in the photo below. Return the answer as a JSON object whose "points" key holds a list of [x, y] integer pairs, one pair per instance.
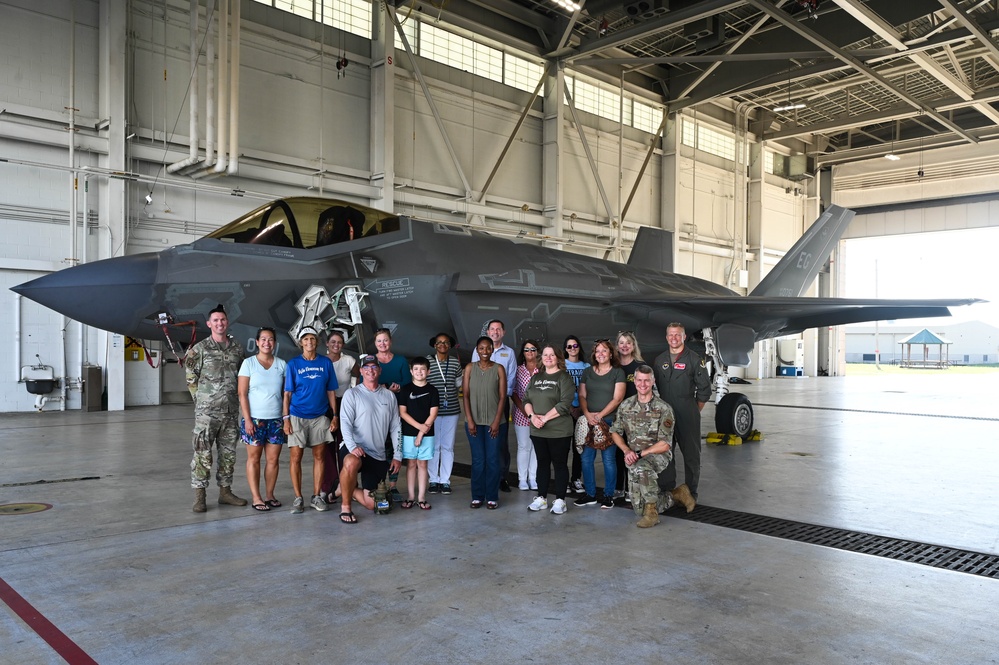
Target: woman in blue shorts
{"points": [[261, 389]]}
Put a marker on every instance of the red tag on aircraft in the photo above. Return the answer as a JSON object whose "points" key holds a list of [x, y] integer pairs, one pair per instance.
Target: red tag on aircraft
{"points": [[679, 365]]}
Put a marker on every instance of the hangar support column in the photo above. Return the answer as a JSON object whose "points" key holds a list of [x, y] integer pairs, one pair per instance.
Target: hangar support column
{"points": [[552, 127], [382, 107], [761, 366], [114, 204], [670, 181]]}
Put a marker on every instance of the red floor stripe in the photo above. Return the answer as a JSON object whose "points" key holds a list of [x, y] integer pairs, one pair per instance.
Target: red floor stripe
{"points": [[65, 647]]}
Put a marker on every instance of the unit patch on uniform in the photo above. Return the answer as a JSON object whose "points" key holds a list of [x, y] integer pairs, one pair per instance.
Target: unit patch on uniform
{"points": [[680, 366]]}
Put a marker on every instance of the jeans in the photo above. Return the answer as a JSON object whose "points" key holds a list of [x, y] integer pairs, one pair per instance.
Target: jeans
{"points": [[610, 470], [485, 464], [443, 461]]}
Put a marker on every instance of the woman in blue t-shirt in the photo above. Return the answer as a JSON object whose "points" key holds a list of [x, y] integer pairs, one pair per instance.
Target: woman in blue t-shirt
{"points": [[261, 389]]}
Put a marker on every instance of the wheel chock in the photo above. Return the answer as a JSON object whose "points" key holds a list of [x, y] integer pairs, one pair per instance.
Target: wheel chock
{"points": [[755, 435], [726, 439]]}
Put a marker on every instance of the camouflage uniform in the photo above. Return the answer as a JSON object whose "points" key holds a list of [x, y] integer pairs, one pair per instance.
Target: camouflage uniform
{"points": [[211, 370], [642, 426]]}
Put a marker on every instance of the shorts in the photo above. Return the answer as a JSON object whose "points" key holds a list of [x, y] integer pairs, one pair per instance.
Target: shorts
{"points": [[265, 430], [424, 451], [373, 470], [309, 432]]}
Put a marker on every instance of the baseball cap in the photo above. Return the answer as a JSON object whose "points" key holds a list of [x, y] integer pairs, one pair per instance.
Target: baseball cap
{"points": [[368, 360], [307, 330]]}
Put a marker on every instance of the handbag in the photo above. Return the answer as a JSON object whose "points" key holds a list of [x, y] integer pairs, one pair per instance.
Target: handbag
{"points": [[597, 436]]}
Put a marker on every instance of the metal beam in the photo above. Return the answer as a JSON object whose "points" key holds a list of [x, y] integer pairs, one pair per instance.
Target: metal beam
{"points": [[673, 19], [972, 26], [731, 57], [589, 156], [824, 43], [430, 100]]}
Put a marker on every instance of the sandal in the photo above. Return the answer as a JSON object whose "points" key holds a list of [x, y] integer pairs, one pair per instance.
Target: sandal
{"points": [[261, 507], [492, 505], [273, 503], [424, 505], [408, 503], [475, 504], [348, 518]]}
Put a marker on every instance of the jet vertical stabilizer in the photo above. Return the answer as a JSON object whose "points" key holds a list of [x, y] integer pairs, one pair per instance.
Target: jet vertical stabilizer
{"points": [[794, 273]]}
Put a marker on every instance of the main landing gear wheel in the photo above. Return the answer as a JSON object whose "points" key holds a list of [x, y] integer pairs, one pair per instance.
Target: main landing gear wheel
{"points": [[734, 415]]}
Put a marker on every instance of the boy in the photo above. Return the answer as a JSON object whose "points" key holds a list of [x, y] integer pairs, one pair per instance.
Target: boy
{"points": [[418, 405]]}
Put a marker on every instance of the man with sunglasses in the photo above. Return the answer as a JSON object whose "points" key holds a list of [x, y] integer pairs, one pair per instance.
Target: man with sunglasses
{"points": [[682, 381]]}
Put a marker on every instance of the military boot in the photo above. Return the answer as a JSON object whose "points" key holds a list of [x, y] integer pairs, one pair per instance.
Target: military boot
{"points": [[683, 496], [226, 496], [199, 500], [650, 518]]}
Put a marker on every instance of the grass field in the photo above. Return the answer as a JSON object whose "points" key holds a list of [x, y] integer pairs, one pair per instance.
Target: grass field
{"points": [[869, 369]]}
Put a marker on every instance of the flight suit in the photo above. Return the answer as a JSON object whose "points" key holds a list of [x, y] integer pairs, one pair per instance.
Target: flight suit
{"points": [[682, 383]]}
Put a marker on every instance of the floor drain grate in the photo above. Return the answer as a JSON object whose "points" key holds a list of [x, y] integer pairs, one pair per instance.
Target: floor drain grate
{"points": [[937, 556]]}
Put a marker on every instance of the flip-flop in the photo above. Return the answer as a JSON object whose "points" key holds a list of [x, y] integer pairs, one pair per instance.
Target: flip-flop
{"points": [[424, 505], [261, 507], [348, 518], [408, 503], [273, 503]]}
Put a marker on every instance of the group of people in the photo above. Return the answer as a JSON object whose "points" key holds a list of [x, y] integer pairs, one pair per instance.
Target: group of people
{"points": [[398, 410]]}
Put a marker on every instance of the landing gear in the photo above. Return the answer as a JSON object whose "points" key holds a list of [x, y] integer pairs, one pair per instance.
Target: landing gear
{"points": [[734, 415], [733, 411]]}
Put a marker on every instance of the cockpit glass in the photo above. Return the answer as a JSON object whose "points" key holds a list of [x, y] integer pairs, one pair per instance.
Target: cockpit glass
{"points": [[305, 222]]}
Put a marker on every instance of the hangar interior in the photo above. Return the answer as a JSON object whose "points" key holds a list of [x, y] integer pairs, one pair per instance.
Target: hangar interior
{"points": [[730, 123]]}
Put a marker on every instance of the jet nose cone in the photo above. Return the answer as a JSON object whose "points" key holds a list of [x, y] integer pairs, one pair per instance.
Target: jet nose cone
{"points": [[113, 294]]}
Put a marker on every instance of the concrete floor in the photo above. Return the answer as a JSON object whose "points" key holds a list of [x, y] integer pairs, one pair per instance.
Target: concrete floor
{"points": [[126, 573]]}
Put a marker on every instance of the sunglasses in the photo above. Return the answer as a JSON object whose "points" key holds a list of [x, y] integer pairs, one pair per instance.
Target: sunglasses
{"points": [[572, 346], [442, 341], [530, 349]]}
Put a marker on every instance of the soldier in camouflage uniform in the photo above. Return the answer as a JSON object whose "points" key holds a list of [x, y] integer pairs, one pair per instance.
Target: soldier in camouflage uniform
{"points": [[212, 366], [643, 430]]}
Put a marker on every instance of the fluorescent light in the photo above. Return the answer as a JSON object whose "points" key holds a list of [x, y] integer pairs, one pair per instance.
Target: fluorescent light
{"points": [[567, 4], [790, 107], [892, 157]]}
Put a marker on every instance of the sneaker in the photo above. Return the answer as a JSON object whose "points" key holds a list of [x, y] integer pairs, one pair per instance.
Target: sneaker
{"points": [[524, 487], [434, 488], [298, 507], [318, 503], [618, 494], [445, 488], [577, 486], [606, 502], [558, 507], [396, 497], [539, 503], [585, 500]]}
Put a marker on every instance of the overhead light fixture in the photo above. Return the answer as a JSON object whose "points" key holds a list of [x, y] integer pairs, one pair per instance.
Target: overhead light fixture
{"points": [[149, 198], [891, 156], [568, 5], [789, 106]]}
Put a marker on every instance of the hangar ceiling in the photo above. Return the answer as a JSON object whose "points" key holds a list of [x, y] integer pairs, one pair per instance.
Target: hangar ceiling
{"points": [[862, 77]]}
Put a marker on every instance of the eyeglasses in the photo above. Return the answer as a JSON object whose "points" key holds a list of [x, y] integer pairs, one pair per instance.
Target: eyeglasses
{"points": [[530, 349], [572, 346], [383, 330], [442, 341]]}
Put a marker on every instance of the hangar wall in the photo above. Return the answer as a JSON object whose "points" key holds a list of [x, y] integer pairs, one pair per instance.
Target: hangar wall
{"points": [[305, 130]]}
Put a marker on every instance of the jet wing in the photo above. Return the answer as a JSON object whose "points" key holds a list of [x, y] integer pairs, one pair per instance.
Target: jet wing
{"points": [[773, 316]]}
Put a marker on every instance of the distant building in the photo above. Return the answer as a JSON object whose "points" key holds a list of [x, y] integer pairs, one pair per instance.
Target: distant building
{"points": [[972, 343]]}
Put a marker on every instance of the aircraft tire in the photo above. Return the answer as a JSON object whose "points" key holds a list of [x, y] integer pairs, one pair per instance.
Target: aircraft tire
{"points": [[734, 415]]}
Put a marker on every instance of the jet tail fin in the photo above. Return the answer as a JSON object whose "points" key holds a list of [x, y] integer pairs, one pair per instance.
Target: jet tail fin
{"points": [[653, 250], [794, 273]]}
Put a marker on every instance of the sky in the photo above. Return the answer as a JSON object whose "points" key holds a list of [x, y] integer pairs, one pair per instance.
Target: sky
{"points": [[951, 264]]}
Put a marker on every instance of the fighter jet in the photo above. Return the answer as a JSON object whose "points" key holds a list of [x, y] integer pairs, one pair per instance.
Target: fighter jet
{"points": [[335, 265]]}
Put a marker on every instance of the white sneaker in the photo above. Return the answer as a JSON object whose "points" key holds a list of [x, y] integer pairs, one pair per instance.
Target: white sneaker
{"points": [[558, 507], [524, 487], [539, 503]]}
